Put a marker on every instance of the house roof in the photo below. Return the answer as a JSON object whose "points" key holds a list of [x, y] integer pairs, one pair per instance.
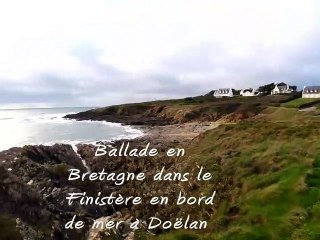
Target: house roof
{"points": [[223, 91], [282, 87], [247, 90], [310, 89]]}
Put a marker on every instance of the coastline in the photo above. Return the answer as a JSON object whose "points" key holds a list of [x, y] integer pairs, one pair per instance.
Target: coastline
{"points": [[180, 133], [40, 172]]}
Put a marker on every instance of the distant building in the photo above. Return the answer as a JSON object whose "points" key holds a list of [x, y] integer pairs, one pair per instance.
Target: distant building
{"points": [[281, 88], [223, 92], [311, 92], [249, 92]]}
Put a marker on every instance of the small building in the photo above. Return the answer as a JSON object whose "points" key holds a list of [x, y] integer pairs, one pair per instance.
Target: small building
{"points": [[223, 92], [249, 92], [281, 88], [311, 92]]}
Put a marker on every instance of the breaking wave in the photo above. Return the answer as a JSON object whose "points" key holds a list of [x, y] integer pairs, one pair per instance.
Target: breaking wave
{"points": [[48, 127]]}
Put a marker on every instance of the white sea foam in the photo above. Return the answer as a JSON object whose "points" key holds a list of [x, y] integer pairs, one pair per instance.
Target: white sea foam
{"points": [[48, 127], [75, 149]]}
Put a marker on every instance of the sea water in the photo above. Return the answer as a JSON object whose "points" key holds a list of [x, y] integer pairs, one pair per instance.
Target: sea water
{"points": [[19, 127]]}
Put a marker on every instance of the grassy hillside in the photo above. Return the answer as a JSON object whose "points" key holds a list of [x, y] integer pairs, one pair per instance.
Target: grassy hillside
{"points": [[201, 108], [267, 173], [302, 102], [266, 167]]}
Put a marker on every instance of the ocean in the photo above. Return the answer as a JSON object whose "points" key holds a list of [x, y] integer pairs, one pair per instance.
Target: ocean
{"points": [[19, 127]]}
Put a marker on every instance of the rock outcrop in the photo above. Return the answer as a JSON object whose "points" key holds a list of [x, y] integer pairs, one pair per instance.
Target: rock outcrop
{"points": [[34, 185]]}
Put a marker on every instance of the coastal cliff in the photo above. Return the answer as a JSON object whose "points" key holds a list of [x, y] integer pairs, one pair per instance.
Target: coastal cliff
{"points": [[265, 174], [201, 109]]}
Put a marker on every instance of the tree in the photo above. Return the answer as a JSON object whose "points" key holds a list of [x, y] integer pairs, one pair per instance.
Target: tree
{"points": [[236, 92], [266, 89], [294, 88]]}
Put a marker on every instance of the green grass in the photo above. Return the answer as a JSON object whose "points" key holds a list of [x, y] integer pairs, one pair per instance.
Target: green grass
{"points": [[300, 102], [284, 114], [200, 108], [268, 170]]}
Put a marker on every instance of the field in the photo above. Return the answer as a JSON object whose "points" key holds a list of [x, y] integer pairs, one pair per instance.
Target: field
{"points": [[201, 108], [266, 174], [264, 157], [302, 102], [265, 167]]}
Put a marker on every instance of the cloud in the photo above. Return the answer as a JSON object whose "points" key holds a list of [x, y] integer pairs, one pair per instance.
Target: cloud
{"points": [[115, 52], [213, 65]]}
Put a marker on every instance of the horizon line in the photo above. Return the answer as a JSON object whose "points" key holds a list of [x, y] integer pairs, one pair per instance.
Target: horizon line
{"points": [[28, 108]]}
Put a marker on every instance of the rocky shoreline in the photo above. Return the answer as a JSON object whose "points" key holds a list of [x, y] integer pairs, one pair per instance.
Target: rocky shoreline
{"points": [[34, 184]]}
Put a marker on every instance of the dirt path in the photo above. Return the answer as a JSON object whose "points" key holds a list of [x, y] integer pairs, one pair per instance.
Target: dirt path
{"points": [[178, 133]]}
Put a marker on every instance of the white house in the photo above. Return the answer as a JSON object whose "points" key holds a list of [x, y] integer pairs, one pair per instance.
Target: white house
{"points": [[249, 92], [223, 92], [281, 88], [311, 92]]}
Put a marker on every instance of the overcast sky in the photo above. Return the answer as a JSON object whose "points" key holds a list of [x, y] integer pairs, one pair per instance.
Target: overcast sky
{"points": [[103, 52]]}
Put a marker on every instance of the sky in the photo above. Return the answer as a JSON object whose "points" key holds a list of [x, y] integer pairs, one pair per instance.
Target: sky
{"points": [[103, 52]]}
